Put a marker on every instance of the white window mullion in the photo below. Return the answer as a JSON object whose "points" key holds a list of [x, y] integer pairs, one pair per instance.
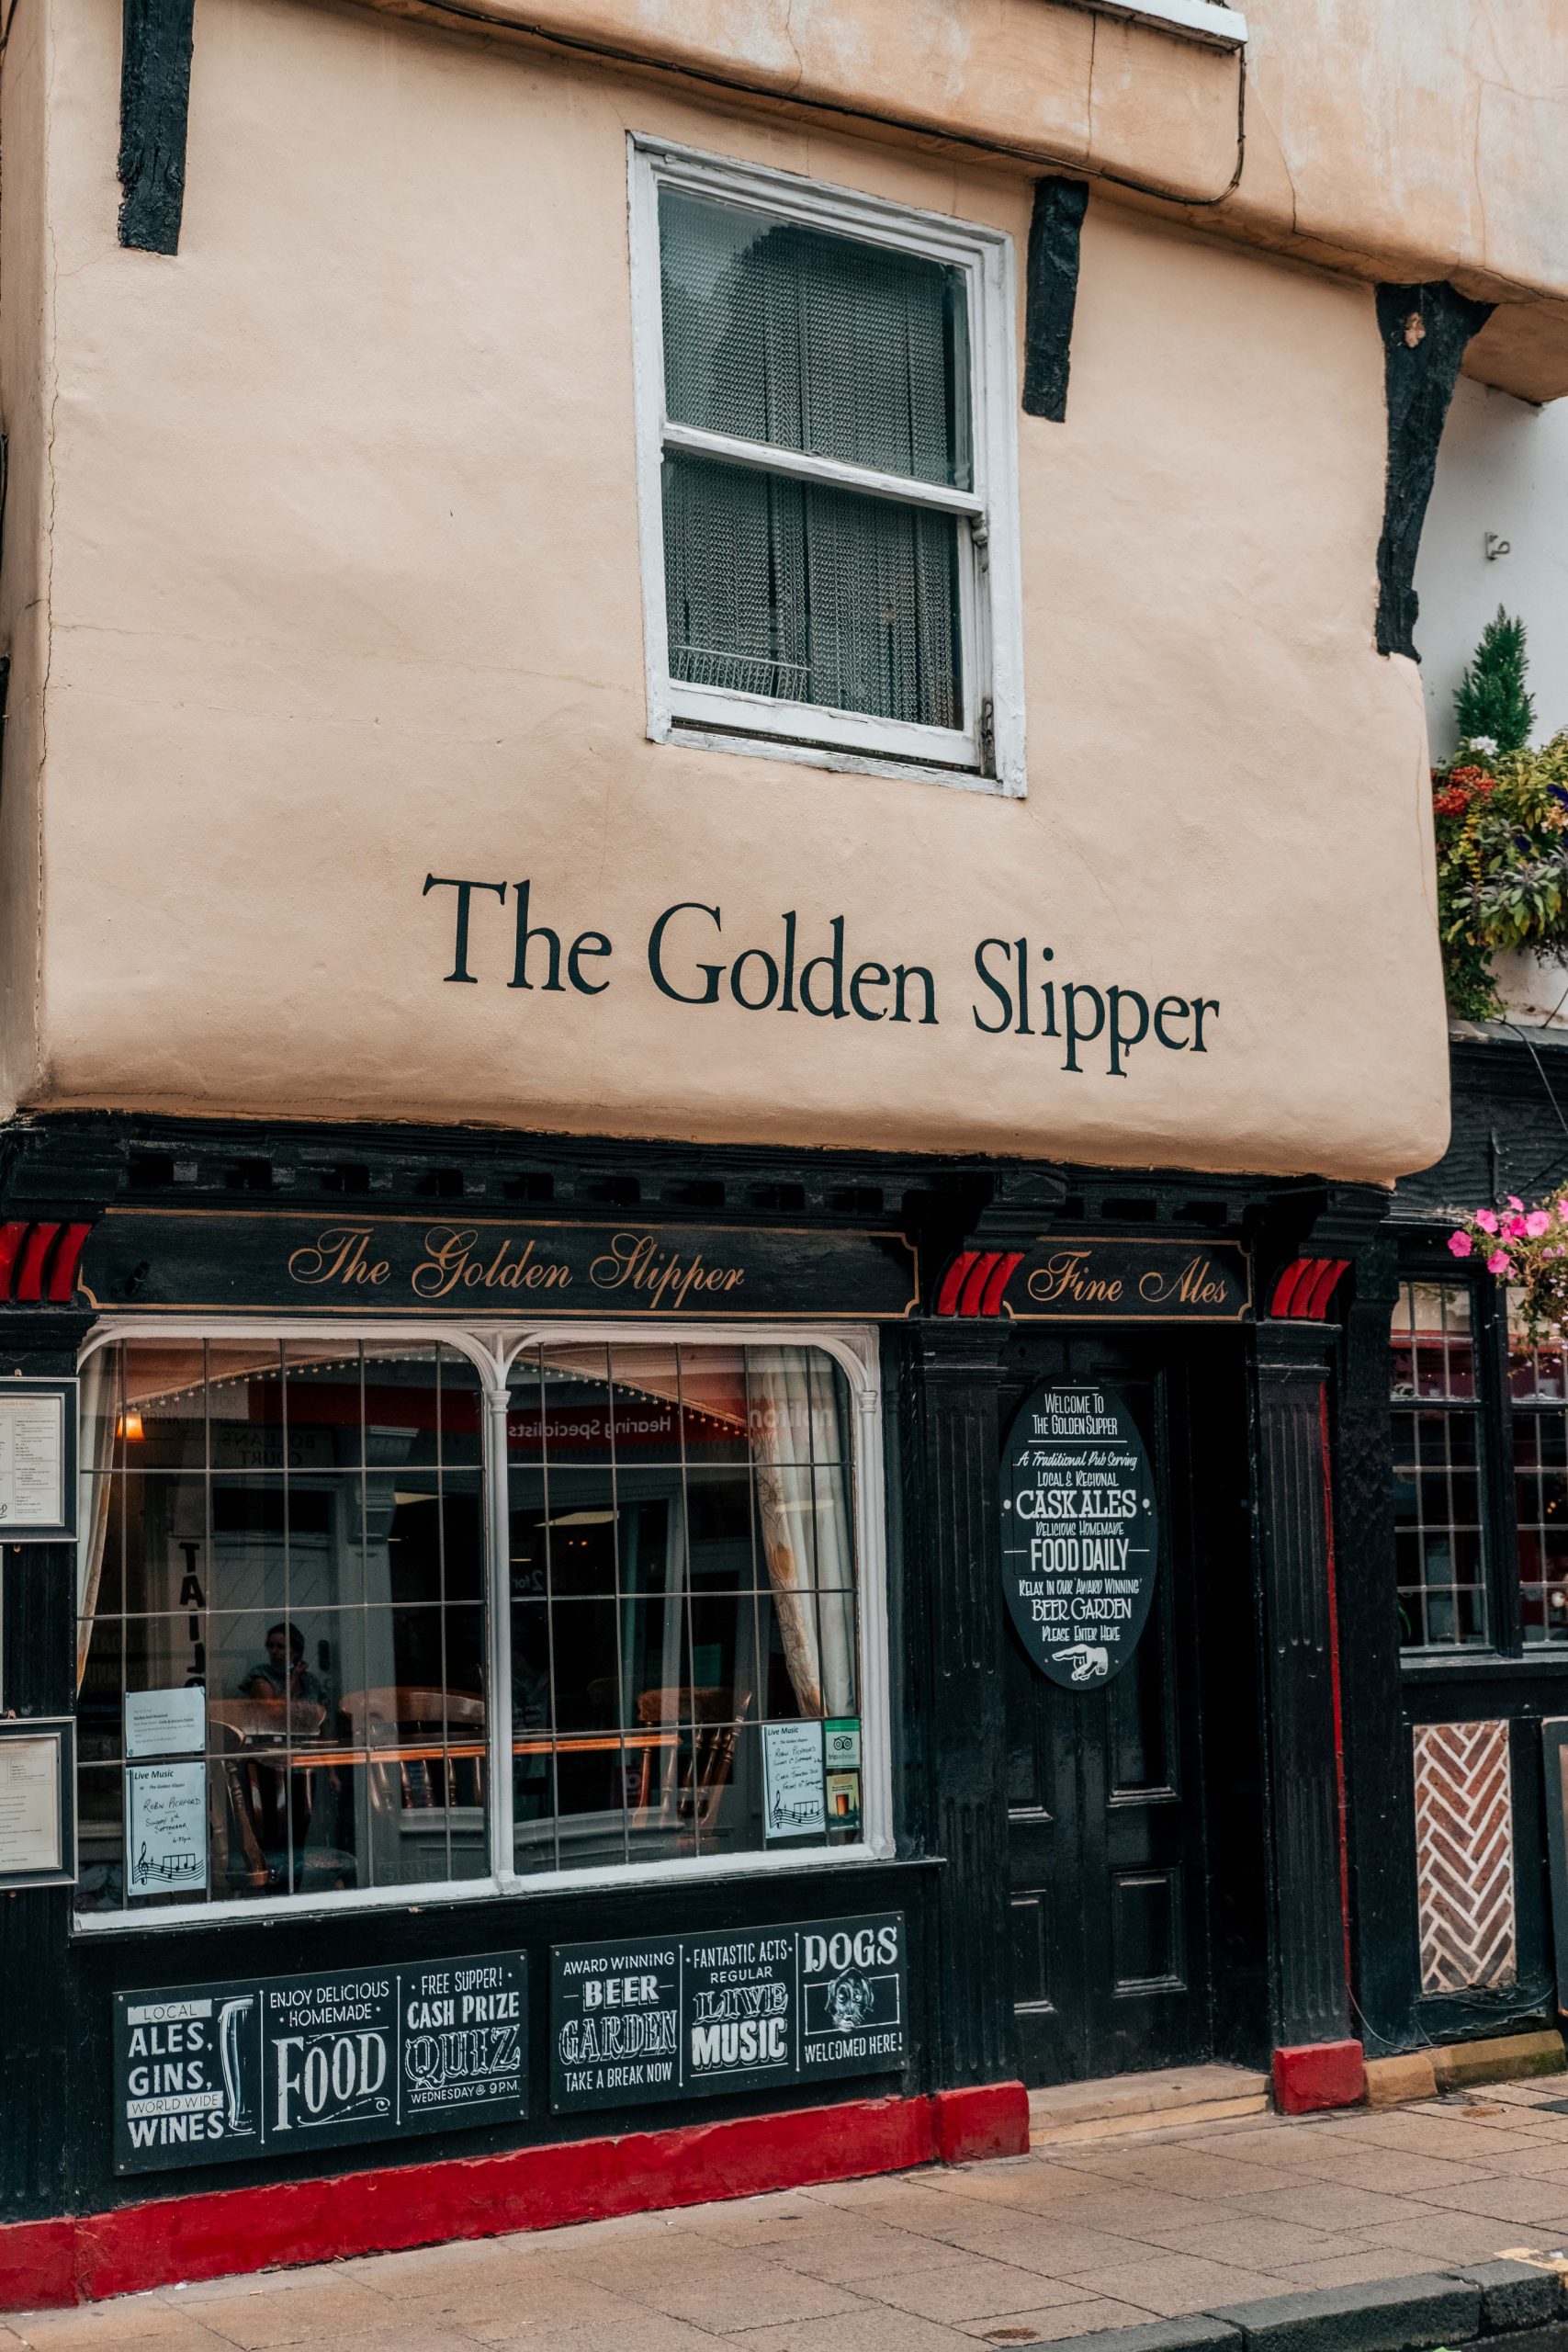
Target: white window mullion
{"points": [[498, 1551], [769, 458]]}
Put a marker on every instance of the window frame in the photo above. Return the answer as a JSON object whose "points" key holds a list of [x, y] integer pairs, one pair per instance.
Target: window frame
{"points": [[987, 753], [491, 1347], [1481, 1407]]}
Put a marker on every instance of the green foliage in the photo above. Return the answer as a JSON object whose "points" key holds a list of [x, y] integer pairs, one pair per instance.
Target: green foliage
{"points": [[1501, 821], [1491, 705]]}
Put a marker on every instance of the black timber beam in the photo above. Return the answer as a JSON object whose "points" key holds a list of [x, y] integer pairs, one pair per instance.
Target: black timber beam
{"points": [[1050, 293], [1425, 330], [154, 104]]}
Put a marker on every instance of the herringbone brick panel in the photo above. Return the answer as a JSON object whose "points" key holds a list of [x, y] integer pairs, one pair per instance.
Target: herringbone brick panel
{"points": [[1465, 1856]]}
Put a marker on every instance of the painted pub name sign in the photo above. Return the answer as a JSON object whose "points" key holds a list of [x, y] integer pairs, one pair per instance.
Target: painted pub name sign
{"points": [[163, 1257], [209, 2072], [1080, 1532], [1135, 1279], [727, 2010]]}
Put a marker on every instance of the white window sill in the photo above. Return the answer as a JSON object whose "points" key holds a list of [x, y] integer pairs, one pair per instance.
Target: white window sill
{"points": [[827, 755], [455, 1893], [1199, 20]]}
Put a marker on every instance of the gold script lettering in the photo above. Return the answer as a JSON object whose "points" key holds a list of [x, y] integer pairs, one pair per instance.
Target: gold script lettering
{"points": [[450, 1263], [338, 1255], [1197, 1284], [635, 1262], [1067, 1276]]}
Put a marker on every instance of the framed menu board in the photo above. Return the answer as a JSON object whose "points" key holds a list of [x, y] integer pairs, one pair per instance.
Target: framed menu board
{"points": [[37, 1781], [38, 1461]]}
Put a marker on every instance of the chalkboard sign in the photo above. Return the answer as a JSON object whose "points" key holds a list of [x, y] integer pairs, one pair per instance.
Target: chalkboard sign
{"points": [[1080, 1531], [209, 2072], [683, 2017]]}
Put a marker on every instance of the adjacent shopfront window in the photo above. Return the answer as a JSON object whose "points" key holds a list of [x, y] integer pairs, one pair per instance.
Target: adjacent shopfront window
{"points": [[1480, 1471], [1437, 1470], [827, 481], [338, 1637]]}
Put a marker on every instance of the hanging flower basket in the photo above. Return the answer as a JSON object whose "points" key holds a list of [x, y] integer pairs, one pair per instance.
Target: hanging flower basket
{"points": [[1528, 1251]]}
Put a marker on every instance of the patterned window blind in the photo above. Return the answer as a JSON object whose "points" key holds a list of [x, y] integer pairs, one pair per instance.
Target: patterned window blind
{"points": [[783, 583]]}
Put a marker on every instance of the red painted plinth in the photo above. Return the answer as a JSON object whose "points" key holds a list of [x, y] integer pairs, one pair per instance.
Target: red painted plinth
{"points": [[1319, 2074], [76, 2259], [987, 2119]]}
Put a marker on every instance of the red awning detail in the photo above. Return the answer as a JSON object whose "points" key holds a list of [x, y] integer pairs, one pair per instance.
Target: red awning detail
{"points": [[30, 1278], [976, 1280], [37, 1262], [1304, 1288], [953, 1283], [10, 1242], [979, 1275], [1007, 1265], [63, 1273]]}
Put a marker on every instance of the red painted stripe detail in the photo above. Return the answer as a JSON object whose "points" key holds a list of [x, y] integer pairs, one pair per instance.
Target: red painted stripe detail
{"points": [[974, 1289], [953, 1283], [208, 2237], [1315, 1302], [30, 1278], [1298, 1271], [10, 1242], [991, 1304], [63, 1273]]}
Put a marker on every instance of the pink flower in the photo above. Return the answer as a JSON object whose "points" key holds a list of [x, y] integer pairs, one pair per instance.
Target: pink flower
{"points": [[1515, 1202], [1538, 1222], [1499, 1262], [1513, 1227], [1460, 1243], [1486, 1220]]}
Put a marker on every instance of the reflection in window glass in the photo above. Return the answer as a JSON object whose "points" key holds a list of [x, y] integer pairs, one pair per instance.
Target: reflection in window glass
{"points": [[1437, 1470], [296, 1530], [1540, 1479], [682, 1578]]}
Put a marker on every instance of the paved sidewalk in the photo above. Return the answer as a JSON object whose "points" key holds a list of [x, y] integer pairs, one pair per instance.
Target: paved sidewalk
{"points": [[1099, 2235]]}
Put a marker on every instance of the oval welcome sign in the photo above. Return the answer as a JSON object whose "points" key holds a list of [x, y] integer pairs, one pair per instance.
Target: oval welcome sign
{"points": [[1080, 1531]]}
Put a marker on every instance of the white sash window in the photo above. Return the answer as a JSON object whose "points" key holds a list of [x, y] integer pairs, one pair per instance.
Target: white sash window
{"points": [[827, 473]]}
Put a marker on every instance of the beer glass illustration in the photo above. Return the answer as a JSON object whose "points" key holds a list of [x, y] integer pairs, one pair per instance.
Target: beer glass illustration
{"points": [[232, 2020]]}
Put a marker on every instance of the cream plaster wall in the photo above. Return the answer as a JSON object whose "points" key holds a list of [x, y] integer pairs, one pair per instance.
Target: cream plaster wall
{"points": [[345, 590], [1400, 139]]}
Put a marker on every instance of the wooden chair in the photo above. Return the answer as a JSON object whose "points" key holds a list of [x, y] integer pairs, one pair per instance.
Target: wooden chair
{"points": [[239, 1865], [393, 1717], [699, 1777], [259, 1803]]}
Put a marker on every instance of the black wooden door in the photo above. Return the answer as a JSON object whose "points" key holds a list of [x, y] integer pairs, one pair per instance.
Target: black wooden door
{"points": [[1110, 1944]]}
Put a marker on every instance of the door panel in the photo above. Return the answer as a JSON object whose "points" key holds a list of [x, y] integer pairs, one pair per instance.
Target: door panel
{"points": [[1106, 1820]]}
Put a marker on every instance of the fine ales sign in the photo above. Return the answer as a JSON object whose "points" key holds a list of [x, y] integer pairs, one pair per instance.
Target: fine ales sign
{"points": [[176, 1258], [1157, 1281], [1080, 1531], [213, 2071], [736, 2010]]}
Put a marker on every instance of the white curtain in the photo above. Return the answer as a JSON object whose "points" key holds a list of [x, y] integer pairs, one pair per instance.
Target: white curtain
{"points": [[100, 1385], [803, 1492]]}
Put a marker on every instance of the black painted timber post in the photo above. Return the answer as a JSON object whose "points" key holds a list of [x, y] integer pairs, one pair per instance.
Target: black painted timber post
{"points": [[952, 1444], [1309, 1994], [1377, 1738], [154, 105], [39, 2037]]}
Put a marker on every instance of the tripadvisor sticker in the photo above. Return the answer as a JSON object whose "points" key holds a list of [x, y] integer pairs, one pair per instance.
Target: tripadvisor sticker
{"points": [[840, 1761]]}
